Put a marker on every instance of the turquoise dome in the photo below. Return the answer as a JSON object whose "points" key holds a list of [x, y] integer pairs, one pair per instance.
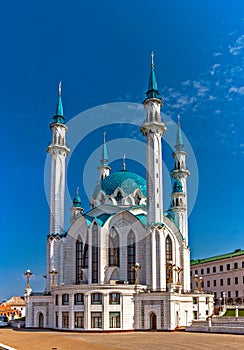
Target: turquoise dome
{"points": [[77, 201], [126, 180]]}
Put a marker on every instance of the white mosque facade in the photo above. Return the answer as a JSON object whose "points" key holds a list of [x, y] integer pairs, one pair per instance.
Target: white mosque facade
{"points": [[124, 264]]}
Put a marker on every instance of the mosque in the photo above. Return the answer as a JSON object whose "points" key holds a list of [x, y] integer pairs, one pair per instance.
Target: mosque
{"points": [[124, 264]]}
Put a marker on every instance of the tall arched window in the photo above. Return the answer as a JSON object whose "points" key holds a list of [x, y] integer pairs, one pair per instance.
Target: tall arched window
{"points": [[79, 262], [131, 257], [94, 253], [113, 248], [85, 256], [168, 254]]}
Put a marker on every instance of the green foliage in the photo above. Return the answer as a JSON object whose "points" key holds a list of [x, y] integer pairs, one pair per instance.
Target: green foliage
{"points": [[231, 313]]}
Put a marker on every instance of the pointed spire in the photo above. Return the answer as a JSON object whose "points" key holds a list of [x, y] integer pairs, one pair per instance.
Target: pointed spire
{"points": [[104, 159], [124, 163], [59, 116], [77, 200], [152, 91], [179, 139]]}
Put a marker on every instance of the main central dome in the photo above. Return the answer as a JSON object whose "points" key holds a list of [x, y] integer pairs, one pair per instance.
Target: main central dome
{"points": [[125, 180]]}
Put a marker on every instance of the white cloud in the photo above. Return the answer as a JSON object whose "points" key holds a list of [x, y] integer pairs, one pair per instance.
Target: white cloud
{"points": [[213, 68], [216, 54], [238, 90], [238, 45]]}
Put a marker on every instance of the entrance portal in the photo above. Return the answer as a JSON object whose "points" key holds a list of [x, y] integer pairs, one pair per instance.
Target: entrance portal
{"points": [[40, 320], [153, 321]]}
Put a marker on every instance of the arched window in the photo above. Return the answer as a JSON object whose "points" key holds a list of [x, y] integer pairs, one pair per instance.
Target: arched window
{"points": [[168, 254], [94, 253], [96, 298], [131, 257], [113, 248], [178, 165], [85, 256], [119, 197], [158, 268], [177, 202], [137, 199], [79, 262], [79, 299], [65, 299]]}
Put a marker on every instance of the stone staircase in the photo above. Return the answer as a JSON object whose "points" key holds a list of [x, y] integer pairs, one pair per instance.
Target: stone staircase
{"points": [[234, 325]]}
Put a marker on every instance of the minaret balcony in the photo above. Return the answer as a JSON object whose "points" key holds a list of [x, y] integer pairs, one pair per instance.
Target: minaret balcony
{"points": [[179, 173], [153, 127]]}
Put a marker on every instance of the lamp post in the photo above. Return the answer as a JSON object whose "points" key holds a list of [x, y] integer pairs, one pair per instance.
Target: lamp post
{"points": [[53, 272], [201, 283], [136, 268], [170, 267], [28, 275], [198, 283], [224, 301], [178, 270]]}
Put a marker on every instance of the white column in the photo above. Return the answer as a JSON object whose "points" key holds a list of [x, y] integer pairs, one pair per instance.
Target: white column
{"points": [[71, 311], [153, 257]]}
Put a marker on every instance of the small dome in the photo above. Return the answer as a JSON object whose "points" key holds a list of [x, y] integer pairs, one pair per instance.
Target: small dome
{"points": [[77, 201], [177, 186], [125, 180]]}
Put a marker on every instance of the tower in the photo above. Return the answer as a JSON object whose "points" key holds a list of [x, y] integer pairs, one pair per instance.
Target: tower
{"points": [[179, 194], [76, 209], [104, 168], [153, 128], [58, 151]]}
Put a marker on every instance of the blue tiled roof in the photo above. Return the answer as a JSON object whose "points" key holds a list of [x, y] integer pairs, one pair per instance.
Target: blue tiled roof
{"points": [[142, 218], [126, 180], [101, 219]]}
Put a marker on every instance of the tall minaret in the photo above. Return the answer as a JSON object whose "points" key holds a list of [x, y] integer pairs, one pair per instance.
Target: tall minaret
{"points": [[153, 128], [104, 168], [58, 151], [179, 194]]}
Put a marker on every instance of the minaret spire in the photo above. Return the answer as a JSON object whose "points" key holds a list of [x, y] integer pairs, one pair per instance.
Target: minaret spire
{"points": [[104, 168], [179, 139], [59, 116], [124, 163], [152, 91]]}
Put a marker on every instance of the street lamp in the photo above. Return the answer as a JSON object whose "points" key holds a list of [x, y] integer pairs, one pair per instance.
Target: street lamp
{"points": [[53, 272], [136, 268], [196, 278], [178, 270], [201, 283], [170, 267], [28, 275]]}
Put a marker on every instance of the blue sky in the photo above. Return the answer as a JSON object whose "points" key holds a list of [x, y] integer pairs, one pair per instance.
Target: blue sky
{"points": [[101, 52]]}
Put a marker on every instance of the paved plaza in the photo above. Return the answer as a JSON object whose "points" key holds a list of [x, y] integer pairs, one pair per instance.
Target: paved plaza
{"points": [[40, 340]]}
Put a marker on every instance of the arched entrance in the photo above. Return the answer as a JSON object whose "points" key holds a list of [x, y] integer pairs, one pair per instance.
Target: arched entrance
{"points": [[153, 321], [40, 320]]}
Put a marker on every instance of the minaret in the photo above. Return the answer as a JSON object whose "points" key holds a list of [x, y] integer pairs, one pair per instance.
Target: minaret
{"points": [[58, 151], [104, 168], [153, 128], [179, 194], [76, 209]]}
